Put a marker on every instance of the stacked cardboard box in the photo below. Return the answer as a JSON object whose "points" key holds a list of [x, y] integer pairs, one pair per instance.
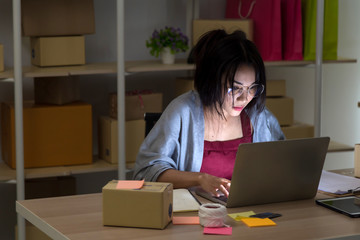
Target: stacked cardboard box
{"points": [[136, 104], [1, 58], [57, 51], [283, 108], [57, 90], [57, 30], [278, 103], [298, 130], [108, 139], [53, 135], [202, 26]]}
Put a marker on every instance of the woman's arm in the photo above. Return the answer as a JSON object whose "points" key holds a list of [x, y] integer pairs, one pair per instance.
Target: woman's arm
{"points": [[175, 142], [183, 179]]}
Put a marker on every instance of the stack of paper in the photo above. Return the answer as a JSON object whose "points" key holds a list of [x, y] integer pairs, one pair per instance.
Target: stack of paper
{"points": [[184, 201], [338, 184]]}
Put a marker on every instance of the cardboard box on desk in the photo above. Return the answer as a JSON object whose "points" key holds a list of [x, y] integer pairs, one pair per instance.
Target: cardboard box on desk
{"points": [[57, 51], [282, 108], [136, 104], [148, 207], [1, 57], [108, 139], [298, 130], [56, 90], [53, 135], [201, 26], [57, 18]]}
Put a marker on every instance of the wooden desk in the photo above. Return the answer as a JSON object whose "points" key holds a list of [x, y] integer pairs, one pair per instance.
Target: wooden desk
{"points": [[80, 218]]}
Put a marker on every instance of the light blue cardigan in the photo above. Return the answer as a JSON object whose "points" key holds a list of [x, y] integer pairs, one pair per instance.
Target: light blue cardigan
{"points": [[177, 139]]}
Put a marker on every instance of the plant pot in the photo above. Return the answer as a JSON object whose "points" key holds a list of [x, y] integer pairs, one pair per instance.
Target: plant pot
{"points": [[167, 57]]}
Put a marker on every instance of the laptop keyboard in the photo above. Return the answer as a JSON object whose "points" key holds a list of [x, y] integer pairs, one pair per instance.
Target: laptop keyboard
{"points": [[222, 198]]}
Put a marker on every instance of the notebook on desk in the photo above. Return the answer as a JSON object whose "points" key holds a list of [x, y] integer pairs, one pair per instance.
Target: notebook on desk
{"points": [[277, 171]]}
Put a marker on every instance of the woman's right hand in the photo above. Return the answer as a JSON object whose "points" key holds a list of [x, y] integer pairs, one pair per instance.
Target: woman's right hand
{"points": [[183, 179], [214, 184]]}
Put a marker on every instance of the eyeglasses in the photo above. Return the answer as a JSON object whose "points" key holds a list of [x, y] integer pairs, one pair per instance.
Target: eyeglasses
{"points": [[254, 90]]}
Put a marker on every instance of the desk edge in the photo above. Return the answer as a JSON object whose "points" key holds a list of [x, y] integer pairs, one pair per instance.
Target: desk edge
{"points": [[41, 224]]}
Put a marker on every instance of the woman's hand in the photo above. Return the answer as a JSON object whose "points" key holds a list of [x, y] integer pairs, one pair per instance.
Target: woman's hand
{"points": [[214, 184], [182, 179]]}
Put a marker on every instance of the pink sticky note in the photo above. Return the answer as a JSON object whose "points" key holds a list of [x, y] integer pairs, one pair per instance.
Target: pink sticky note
{"points": [[130, 184], [218, 231], [177, 220]]}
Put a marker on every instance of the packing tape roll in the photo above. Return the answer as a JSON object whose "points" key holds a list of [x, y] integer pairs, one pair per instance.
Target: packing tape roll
{"points": [[212, 215]]}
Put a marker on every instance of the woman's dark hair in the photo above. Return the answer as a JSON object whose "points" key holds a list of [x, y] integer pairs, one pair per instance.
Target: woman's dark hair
{"points": [[218, 56]]}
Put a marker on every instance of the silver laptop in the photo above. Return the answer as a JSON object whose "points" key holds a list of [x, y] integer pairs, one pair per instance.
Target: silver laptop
{"points": [[277, 171]]}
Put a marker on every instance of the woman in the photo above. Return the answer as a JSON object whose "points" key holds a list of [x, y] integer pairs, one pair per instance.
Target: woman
{"points": [[194, 143]]}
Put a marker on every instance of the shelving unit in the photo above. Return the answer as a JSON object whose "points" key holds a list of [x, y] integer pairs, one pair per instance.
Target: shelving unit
{"points": [[120, 68], [99, 165], [137, 67]]}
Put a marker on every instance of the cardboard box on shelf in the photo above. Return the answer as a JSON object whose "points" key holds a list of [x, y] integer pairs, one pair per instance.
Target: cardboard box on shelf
{"points": [[275, 88], [50, 187], [148, 207], [1, 57], [183, 85], [56, 90], [32, 233], [57, 51], [282, 108], [108, 139], [201, 26], [137, 103], [357, 160], [57, 18], [298, 130], [53, 135]]}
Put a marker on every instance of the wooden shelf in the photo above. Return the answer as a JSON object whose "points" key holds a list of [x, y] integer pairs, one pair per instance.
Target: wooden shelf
{"points": [[339, 147], [8, 73], [305, 63], [135, 67], [93, 68], [156, 66], [345, 171], [98, 165], [181, 64]]}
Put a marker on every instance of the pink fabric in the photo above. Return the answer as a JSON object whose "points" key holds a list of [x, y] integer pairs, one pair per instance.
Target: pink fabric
{"points": [[219, 156], [292, 29], [266, 15]]}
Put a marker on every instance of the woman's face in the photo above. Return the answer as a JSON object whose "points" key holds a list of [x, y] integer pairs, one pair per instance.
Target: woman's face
{"points": [[237, 98]]}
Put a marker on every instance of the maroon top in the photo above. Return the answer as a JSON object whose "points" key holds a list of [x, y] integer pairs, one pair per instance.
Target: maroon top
{"points": [[219, 156]]}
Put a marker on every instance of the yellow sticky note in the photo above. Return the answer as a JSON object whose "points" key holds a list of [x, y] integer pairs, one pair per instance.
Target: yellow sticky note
{"points": [[239, 216], [129, 184], [258, 222]]}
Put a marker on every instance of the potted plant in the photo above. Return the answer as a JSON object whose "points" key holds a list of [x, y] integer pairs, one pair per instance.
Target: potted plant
{"points": [[166, 43]]}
